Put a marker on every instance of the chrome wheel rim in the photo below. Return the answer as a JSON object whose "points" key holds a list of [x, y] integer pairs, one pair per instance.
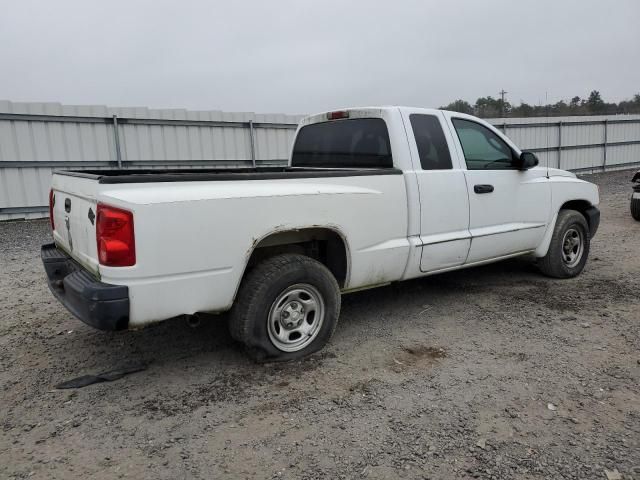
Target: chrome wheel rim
{"points": [[295, 317], [572, 247]]}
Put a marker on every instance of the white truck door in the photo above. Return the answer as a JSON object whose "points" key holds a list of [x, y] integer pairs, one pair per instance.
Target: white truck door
{"points": [[509, 208], [444, 202]]}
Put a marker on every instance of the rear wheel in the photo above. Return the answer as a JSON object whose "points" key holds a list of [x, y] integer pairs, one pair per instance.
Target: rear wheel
{"points": [[569, 247], [635, 208], [287, 307]]}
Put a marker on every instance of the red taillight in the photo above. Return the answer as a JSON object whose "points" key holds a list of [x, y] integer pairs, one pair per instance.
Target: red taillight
{"points": [[52, 202], [337, 115], [115, 237]]}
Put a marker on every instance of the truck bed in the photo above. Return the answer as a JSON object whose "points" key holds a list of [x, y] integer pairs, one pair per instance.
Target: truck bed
{"points": [[221, 174], [194, 231]]}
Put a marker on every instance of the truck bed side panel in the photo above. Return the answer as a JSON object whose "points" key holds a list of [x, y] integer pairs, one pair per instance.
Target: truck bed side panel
{"points": [[198, 236]]}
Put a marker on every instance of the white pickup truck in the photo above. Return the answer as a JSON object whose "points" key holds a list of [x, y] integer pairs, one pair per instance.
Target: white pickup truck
{"points": [[370, 196]]}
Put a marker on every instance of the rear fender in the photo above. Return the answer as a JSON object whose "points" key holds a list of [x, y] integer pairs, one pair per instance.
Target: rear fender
{"points": [[279, 230]]}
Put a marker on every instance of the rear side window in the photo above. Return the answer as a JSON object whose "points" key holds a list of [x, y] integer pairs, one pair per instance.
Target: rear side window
{"points": [[432, 146], [352, 143]]}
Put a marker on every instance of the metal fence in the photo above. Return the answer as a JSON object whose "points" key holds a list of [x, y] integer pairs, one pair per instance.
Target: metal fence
{"points": [[579, 144], [37, 138]]}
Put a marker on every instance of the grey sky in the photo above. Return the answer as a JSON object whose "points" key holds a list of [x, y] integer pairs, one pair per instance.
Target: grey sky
{"points": [[300, 56]]}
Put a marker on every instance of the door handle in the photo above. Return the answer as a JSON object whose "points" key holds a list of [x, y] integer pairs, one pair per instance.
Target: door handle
{"points": [[483, 188]]}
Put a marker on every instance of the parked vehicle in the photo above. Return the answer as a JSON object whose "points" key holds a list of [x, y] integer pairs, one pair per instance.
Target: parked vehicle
{"points": [[635, 197], [371, 196]]}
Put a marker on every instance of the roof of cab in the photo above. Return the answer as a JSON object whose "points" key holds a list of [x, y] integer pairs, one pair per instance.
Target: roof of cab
{"points": [[363, 112]]}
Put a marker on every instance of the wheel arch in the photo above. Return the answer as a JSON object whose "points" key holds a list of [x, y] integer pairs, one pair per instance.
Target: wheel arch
{"points": [[579, 205], [327, 244]]}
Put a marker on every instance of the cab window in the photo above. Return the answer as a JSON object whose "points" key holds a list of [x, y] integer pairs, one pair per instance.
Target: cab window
{"points": [[483, 149], [352, 143], [432, 145]]}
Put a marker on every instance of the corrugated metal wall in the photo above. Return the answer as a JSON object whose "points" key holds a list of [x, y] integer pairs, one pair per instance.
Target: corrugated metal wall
{"points": [[590, 143], [36, 138]]}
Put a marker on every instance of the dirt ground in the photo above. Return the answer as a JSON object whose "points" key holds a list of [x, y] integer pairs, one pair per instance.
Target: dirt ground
{"points": [[495, 372]]}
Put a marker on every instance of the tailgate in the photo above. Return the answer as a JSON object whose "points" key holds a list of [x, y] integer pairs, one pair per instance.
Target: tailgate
{"points": [[74, 214]]}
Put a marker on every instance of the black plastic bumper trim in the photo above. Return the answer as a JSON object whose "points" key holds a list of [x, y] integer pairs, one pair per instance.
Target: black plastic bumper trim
{"points": [[100, 305]]}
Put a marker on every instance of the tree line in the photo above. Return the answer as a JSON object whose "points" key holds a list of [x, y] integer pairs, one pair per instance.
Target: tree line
{"points": [[489, 107]]}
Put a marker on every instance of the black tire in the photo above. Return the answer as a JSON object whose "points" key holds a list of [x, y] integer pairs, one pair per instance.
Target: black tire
{"points": [[635, 208], [554, 263], [249, 317]]}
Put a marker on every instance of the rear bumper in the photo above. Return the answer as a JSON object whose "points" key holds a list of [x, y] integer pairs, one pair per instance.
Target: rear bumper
{"points": [[98, 304], [593, 219]]}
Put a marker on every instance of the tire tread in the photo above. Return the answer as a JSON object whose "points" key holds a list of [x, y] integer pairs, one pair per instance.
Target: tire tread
{"points": [[252, 291], [550, 264], [635, 208]]}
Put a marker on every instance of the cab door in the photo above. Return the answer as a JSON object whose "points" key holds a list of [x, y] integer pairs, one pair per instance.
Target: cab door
{"points": [[509, 209], [444, 203]]}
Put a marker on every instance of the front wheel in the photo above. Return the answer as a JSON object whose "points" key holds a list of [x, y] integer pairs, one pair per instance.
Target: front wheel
{"points": [[287, 307], [569, 247]]}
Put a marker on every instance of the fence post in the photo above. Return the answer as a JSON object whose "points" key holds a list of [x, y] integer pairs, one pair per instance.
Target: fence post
{"points": [[253, 145], [604, 153], [559, 142], [116, 138]]}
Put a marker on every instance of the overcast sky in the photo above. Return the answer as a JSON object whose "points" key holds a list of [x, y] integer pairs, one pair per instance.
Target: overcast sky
{"points": [[300, 56]]}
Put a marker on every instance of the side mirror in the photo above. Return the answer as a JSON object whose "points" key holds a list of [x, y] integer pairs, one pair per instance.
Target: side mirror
{"points": [[527, 160]]}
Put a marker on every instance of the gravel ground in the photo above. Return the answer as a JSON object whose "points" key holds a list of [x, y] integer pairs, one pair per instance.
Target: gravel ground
{"points": [[493, 372]]}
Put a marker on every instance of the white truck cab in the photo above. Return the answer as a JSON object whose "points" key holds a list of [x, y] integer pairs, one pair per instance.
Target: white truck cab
{"points": [[370, 196]]}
